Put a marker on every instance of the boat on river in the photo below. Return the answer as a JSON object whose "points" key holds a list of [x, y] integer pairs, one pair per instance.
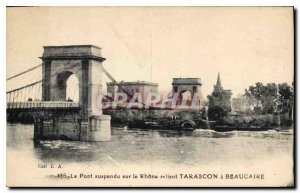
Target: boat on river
{"points": [[177, 123], [163, 124]]}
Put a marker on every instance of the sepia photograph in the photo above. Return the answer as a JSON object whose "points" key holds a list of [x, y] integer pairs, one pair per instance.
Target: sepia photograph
{"points": [[150, 97]]}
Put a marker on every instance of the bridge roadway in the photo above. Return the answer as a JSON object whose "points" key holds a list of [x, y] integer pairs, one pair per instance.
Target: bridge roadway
{"points": [[42, 105]]}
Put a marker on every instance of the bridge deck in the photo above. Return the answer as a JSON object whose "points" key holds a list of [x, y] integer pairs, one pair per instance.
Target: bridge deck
{"points": [[42, 105]]}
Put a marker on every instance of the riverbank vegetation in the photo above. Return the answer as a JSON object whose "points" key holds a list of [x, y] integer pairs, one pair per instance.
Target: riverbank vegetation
{"points": [[261, 105]]}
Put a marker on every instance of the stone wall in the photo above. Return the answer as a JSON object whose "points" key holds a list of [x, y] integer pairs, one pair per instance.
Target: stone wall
{"points": [[70, 125]]}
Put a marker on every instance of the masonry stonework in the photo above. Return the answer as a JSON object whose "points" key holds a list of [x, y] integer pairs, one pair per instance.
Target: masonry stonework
{"points": [[88, 124]]}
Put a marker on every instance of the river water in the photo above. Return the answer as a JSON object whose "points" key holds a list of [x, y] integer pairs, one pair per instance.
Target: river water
{"points": [[164, 148]]}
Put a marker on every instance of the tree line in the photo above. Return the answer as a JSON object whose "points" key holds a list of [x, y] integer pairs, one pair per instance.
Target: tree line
{"points": [[262, 105], [271, 98]]}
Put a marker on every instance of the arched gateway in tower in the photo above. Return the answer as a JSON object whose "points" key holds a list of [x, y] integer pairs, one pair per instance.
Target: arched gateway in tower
{"points": [[87, 123], [191, 86]]}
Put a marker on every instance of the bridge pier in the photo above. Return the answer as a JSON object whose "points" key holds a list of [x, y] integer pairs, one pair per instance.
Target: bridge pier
{"points": [[100, 128], [67, 125]]}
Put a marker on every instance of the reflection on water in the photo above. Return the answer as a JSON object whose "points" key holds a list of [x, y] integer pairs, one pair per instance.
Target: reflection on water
{"points": [[141, 146]]}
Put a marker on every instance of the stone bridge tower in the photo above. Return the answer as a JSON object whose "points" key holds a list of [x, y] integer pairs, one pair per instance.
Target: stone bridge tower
{"points": [[191, 85], [84, 61]]}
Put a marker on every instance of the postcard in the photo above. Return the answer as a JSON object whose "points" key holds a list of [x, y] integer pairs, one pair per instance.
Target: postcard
{"points": [[150, 97]]}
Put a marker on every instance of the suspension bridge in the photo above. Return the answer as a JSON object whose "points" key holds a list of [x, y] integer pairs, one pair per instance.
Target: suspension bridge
{"points": [[55, 115]]}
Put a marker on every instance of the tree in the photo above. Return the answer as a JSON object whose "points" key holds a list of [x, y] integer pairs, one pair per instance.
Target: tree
{"points": [[217, 109], [254, 95], [269, 100], [263, 97], [217, 113], [286, 97]]}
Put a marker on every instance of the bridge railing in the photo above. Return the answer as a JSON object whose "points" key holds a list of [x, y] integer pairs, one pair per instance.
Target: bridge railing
{"points": [[42, 104]]}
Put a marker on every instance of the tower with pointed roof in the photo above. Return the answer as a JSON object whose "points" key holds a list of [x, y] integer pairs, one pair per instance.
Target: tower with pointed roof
{"points": [[220, 97], [218, 86]]}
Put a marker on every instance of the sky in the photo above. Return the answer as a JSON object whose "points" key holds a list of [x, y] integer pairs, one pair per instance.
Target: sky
{"points": [[244, 44]]}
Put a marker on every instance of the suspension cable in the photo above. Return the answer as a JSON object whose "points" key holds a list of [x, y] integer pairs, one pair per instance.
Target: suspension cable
{"points": [[30, 69], [24, 86]]}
